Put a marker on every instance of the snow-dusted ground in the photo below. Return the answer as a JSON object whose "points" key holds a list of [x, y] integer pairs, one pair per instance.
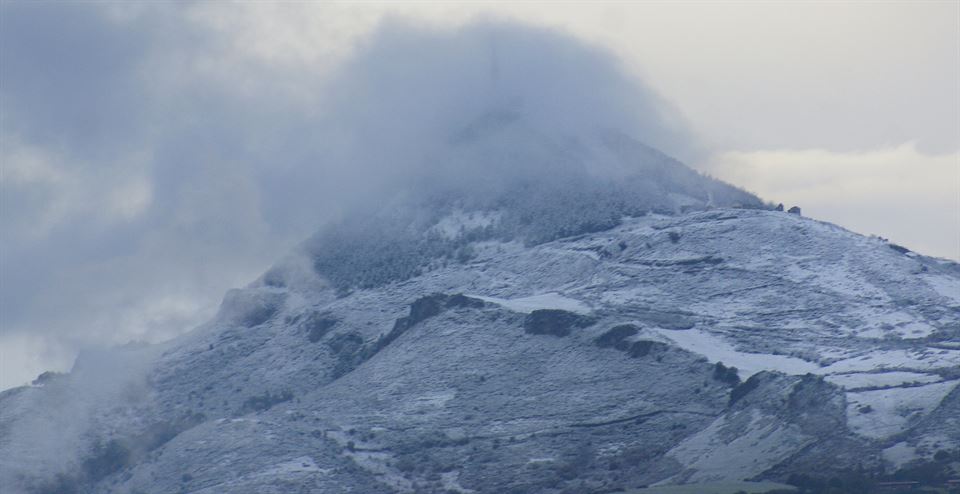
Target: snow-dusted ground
{"points": [[726, 446], [880, 379], [947, 287], [920, 358], [883, 413], [486, 404]]}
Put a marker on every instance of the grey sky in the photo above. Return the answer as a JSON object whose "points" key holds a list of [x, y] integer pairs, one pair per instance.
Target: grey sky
{"points": [[156, 154]]}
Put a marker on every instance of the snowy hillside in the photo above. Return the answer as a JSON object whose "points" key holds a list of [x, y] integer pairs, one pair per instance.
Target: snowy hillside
{"points": [[502, 344]]}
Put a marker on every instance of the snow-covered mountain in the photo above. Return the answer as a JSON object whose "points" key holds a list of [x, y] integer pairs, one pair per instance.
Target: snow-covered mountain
{"points": [[621, 321]]}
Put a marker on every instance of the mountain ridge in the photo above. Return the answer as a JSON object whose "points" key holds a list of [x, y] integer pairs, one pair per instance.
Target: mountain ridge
{"points": [[682, 343]]}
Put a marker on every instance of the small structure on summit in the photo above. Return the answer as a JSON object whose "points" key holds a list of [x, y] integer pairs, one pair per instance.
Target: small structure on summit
{"points": [[794, 210]]}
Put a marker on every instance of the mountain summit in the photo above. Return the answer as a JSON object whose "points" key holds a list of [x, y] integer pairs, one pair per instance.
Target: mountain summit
{"points": [[519, 297], [564, 332], [504, 179]]}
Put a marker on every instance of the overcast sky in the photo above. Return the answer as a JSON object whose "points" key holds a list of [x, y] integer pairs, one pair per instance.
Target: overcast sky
{"points": [[156, 154]]}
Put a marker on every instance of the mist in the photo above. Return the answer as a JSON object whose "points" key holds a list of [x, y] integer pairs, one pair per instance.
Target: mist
{"points": [[138, 194], [159, 157], [145, 173]]}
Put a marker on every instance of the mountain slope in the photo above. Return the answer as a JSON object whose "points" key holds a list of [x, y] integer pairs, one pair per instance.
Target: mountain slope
{"points": [[499, 343], [464, 393]]}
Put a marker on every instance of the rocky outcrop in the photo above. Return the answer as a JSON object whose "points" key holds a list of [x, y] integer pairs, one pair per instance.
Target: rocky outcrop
{"points": [[615, 336], [317, 325], [555, 322], [424, 308]]}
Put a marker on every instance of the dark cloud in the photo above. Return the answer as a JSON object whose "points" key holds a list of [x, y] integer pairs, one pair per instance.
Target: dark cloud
{"points": [[70, 76]]}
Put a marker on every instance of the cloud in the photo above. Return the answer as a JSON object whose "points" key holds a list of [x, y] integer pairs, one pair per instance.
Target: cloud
{"points": [[129, 199], [900, 193], [153, 155], [160, 155], [42, 188], [843, 76]]}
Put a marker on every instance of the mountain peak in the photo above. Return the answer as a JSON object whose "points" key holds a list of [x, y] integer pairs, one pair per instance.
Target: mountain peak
{"points": [[526, 186]]}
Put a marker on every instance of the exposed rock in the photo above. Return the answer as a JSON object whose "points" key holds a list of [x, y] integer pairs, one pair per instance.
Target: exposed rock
{"points": [[460, 300], [555, 322], [667, 319], [46, 377], [745, 387], [642, 348], [265, 401], [251, 307], [614, 336], [318, 325], [426, 307], [726, 374], [899, 248]]}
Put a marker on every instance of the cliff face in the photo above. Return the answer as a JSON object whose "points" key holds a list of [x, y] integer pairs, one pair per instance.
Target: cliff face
{"points": [[685, 343]]}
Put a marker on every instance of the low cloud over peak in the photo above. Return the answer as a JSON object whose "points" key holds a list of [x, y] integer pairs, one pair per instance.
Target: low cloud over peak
{"points": [[161, 165]]}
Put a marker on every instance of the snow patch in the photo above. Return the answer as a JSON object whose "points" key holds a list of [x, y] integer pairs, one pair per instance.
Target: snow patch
{"points": [[550, 300], [899, 454], [451, 482], [716, 349], [457, 223], [300, 465], [545, 459]]}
